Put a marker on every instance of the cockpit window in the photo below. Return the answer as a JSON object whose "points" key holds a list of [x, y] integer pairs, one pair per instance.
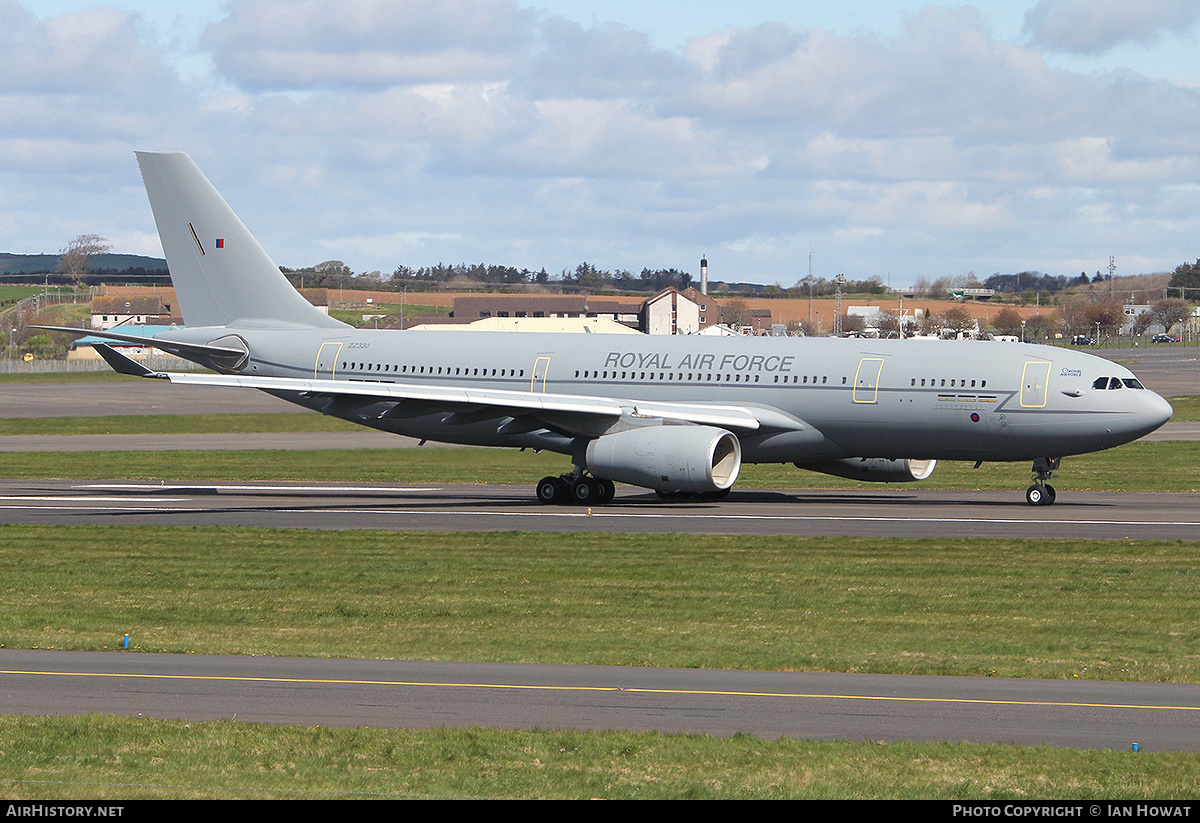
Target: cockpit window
{"points": [[1117, 383]]}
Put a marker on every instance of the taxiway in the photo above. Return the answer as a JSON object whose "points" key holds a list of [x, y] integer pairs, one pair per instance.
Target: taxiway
{"points": [[406, 694]]}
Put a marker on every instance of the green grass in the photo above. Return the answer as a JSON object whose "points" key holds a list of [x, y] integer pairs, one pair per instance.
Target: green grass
{"points": [[65, 377], [354, 317], [99, 758], [1114, 610], [176, 424], [1187, 409]]}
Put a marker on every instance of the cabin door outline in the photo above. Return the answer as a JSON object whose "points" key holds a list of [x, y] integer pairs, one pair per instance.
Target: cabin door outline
{"points": [[327, 360], [1035, 384], [541, 369], [866, 380]]}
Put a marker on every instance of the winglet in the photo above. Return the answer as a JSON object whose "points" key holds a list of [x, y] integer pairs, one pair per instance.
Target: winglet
{"points": [[124, 365]]}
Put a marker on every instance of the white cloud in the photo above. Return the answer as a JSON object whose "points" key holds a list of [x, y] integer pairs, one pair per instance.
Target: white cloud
{"points": [[418, 132], [1091, 26], [95, 50], [280, 44]]}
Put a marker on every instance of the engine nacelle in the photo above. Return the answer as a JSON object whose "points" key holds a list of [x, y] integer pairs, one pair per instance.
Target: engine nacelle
{"points": [[874, 469], [668, 458]]}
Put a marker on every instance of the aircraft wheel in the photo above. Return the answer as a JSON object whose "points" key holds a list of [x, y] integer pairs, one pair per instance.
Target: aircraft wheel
{"points": [[585, 490], [551, 490], [608, 490], [1037, 495]]}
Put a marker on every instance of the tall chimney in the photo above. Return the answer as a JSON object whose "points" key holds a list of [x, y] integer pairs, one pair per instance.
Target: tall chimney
{"points": [[703, 275]]}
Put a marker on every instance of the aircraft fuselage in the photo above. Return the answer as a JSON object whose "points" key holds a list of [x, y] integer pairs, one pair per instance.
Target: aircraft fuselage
{"points": [[923, 399]]}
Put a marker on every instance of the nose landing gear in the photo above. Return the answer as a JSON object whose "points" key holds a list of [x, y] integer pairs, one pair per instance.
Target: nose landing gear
{"points": [[1042, 493]]}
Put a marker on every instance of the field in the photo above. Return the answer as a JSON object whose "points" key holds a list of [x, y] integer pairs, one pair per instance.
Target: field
{"points": [[1112, 610]]}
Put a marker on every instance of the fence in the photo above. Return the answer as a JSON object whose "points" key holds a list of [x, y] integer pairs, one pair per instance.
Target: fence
{"points": [[164, 363]]}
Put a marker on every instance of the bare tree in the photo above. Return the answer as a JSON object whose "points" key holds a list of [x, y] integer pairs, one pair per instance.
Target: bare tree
{"points": [[1170, 311], [1107, 316], [1007, 321], [736, 313], [73, 260], [957, 319]]}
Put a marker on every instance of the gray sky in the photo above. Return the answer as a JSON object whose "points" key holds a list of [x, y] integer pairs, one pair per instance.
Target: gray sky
{"points": [[891, 139]]}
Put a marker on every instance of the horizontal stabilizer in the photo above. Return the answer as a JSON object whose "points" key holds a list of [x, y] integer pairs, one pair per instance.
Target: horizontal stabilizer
{"points": [[122, 364], [221, 358]]}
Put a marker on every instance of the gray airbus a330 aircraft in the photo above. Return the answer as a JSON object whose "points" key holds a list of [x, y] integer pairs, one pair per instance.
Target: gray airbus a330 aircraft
{"points": [[676, 414]]}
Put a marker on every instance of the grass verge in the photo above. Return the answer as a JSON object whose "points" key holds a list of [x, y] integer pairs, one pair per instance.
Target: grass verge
{"points": [[175, 424], [105, 758], [1111, 610]]}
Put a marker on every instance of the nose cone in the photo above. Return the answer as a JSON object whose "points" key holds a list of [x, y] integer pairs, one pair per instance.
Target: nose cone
{"points": [[1158, 411], [1153, 411]]}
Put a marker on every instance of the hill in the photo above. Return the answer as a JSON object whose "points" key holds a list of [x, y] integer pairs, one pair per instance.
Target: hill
{"points": [[25, 265]]}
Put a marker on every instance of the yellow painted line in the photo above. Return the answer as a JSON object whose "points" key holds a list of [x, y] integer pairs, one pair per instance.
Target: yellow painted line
{"points": [[532, 687]]}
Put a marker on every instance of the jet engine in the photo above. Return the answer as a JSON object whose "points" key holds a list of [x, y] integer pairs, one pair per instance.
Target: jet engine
{"points": [[874, 469], [692, 459]]}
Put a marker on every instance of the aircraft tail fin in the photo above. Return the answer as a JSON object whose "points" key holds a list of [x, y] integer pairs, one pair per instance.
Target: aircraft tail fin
{"points": [[222, 276]]}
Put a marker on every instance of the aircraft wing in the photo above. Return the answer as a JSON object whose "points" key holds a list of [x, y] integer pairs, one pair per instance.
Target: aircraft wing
{"points": [[565, 411]]}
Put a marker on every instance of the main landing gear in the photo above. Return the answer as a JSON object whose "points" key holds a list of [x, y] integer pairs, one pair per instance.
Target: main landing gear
{"points": [[577, 488], [1042, 493]]}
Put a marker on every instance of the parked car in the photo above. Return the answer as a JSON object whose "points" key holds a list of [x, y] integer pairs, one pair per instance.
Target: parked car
{"points": [[1082, 340], [1164, 338]]}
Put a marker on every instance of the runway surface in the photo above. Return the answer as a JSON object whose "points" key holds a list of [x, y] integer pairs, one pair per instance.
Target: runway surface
{"points": [[883, 513], [401, 694]]}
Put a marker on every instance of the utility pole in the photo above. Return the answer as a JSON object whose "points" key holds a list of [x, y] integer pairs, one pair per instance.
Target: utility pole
{"points": [[837, 318], [810, 259]]}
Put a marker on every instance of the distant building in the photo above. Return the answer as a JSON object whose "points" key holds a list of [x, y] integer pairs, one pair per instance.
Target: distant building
{"points": [[585, 325], [678, 312], [319, 298], [1131, 315], [669, 312], [708, 309], [114, 311], [131, 305], [481, 306]]}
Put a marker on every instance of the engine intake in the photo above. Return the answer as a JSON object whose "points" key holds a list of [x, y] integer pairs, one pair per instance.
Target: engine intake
{"points": [[693, 459]]}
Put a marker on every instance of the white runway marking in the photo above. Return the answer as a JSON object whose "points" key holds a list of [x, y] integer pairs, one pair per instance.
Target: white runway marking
{"points": [[811, 518], [226, 487]]}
